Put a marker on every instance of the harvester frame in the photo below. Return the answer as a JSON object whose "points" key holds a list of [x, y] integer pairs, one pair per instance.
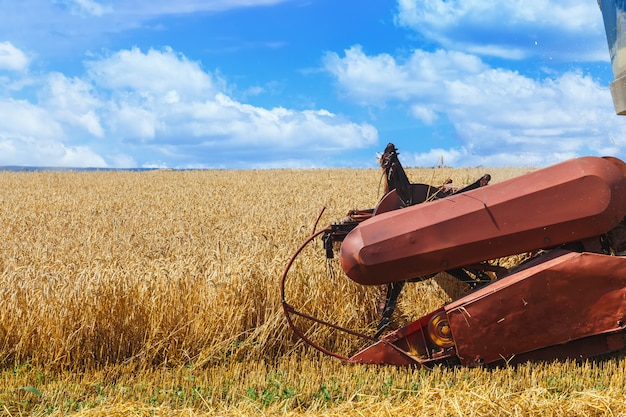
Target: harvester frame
{"points": [[567, 300]]}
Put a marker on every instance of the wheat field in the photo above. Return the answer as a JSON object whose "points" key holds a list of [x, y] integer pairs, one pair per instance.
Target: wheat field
{"points": [[157, 293]]}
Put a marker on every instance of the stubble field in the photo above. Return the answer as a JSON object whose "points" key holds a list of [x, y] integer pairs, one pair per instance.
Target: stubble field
{"points": [[156, 293]]}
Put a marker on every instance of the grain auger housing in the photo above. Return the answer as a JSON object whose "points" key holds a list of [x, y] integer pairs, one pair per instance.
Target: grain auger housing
{"points": [[566, 300]]}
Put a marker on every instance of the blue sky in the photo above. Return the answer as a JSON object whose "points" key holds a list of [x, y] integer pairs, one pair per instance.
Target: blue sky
{"points": [[303, 83]]}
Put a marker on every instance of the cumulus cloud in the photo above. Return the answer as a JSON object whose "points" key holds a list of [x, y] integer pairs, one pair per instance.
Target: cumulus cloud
{"points": [[87, 7], [68, 28], [372, 80], [164, 7], [165, 107], [31, 135], [20, 118], [490, 108], [73, 101], [141, 107], [455, 157], [153, 73], [163, 97], [513, 29], [435, 157], [12, 58]]}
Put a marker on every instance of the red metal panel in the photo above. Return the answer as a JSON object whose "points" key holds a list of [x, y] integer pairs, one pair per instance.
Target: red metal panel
{"points": [[405, 346], [570, 201], [569, 297], [384, 353]]}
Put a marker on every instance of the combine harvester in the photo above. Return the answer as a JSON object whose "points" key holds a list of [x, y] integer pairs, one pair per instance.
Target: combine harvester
{"points": [[567, 300]]}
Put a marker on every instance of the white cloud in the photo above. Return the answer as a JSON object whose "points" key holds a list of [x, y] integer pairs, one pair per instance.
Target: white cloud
{"points": [[65, 29], [158, 74], [131, 122], [561, 29], [73, 101], [569, 14], [31, 151], [463, 157], [12, 58], [165, 107], [490, 108], [244, 124], [375, 79], [87, 7], [163, 97], [423, 113], [91, 122], [76, 157], [162, 104], [121, 161], [19, 118], [435, 157], [30, 135], [149, 8]]}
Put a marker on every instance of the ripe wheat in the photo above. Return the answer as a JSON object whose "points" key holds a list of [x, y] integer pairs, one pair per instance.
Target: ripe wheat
{"points": [[170, 279]]}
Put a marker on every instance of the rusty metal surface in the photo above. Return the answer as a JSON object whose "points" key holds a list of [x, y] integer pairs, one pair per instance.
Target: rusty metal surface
{"points": [[384, 353], [409, 345], [564, 303], [569, 297], [571, 305], [392, 201], [566, 202]]}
